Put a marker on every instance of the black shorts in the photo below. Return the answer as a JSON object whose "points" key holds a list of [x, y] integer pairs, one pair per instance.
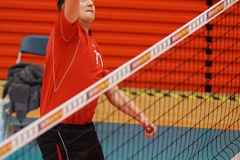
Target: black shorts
{"points": [[70, 142]]}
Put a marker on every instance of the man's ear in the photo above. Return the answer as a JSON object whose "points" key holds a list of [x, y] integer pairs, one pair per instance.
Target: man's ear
{"points": [[62, 6]]}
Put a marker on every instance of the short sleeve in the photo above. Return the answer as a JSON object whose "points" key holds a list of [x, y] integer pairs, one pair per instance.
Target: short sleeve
{"points": [[63, 28], [105, 71]]}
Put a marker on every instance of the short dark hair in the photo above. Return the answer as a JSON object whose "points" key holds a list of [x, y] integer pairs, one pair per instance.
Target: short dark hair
{"points": [[59, 4]]}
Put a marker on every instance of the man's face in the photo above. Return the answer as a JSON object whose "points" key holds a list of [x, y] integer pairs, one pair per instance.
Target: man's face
{"points": [[87, 11]]}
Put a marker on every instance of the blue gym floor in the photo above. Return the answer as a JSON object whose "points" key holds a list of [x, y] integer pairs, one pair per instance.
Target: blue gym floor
{"points": [[127, 142]]}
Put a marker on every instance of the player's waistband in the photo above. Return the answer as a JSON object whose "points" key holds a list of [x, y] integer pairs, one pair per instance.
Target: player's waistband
{"points": [[62, 126]]}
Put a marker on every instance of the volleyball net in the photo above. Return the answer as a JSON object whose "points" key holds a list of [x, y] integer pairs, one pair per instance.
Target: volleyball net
{"points": [[188, 84]]}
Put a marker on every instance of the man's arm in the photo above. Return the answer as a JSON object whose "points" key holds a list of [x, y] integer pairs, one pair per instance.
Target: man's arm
{"points": [[71, 10], [123, 103]]}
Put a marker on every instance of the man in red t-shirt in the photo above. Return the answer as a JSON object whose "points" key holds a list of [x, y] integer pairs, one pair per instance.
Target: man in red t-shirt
{"points": [[73, 63]]}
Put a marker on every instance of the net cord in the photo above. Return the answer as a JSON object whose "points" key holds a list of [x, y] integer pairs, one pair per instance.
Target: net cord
{"points": [[41, 125]]}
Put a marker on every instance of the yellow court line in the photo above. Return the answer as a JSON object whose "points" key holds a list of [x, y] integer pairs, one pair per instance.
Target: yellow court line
{"points": [[203, 95]]}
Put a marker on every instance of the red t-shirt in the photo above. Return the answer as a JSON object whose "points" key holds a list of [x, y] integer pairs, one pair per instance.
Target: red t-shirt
{"points": [[73, 62]]}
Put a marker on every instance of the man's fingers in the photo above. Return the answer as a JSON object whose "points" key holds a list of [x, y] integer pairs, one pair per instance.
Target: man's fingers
{"points": [[149, 129]]}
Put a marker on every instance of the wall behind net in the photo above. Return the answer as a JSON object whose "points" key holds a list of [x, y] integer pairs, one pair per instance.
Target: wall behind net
{"points": [[191, 92]]}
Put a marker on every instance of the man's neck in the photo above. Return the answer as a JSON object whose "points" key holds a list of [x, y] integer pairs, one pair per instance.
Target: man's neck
{"points": [[85, 26]]}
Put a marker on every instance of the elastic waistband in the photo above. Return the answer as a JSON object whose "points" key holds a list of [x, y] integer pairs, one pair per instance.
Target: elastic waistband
{"points": [[74, 126]]}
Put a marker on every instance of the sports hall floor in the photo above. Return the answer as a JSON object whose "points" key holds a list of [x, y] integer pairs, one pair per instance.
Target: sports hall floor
{"points": [[31, 151], [154, 148]]}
